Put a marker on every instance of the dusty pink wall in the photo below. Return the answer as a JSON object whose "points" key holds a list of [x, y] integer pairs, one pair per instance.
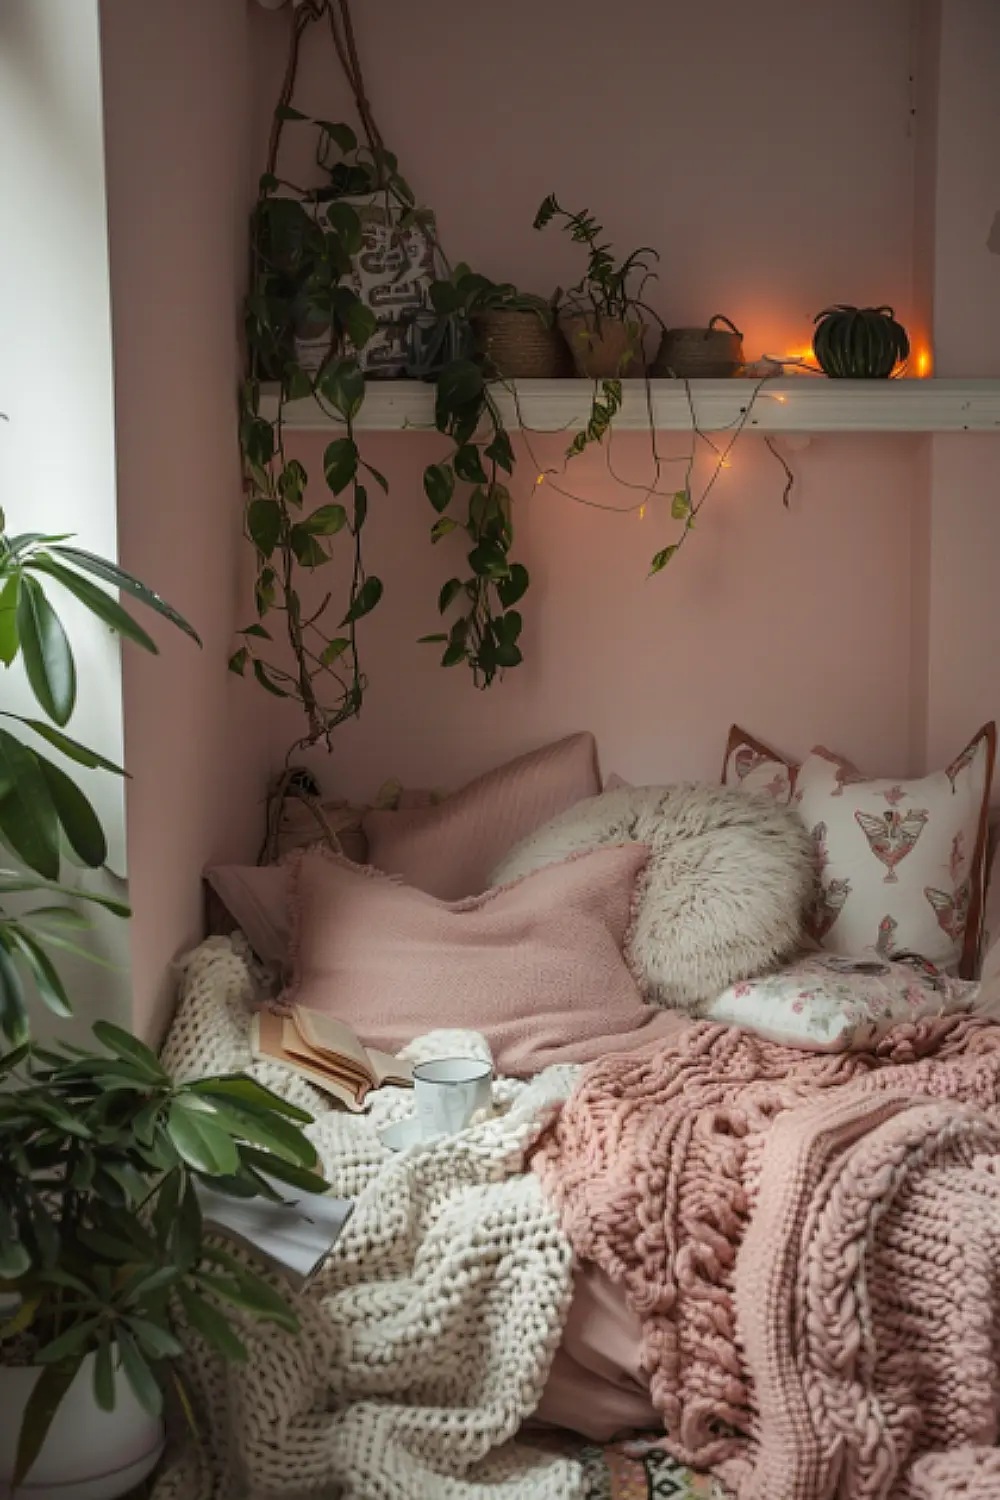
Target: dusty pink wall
{"points": [[766, 150], [176, 123], [963, 545], [795, 623], [719, 134], [967, 241]]}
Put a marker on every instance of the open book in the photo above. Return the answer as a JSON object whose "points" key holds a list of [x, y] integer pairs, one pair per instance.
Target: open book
{"points": [[328, 1053]]}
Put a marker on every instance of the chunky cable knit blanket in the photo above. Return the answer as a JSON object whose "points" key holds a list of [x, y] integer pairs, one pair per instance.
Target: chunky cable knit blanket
{"points": [[813, 1244], [427, 1335]]}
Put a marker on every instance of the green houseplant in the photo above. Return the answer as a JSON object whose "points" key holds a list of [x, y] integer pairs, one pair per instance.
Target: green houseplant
{"points": [[859, 343], [45, 817], [602, 315], [303, 249], [102, 1242]]}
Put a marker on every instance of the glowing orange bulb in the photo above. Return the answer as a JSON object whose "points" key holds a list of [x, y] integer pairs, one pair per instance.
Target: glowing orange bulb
{"points": [[782, 399], [642, 512], [725, 463], [539, 480], [923, 364]]}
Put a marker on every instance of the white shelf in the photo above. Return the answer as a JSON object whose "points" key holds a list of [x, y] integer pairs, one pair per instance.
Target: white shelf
{"points": [[804, 403]]}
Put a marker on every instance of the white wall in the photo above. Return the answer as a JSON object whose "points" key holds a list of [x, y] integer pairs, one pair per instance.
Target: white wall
{"points": [[57, 452]]}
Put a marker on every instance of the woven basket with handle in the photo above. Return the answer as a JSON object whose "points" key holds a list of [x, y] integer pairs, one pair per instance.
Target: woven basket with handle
{"points": [[520, 346], [701, 353]]}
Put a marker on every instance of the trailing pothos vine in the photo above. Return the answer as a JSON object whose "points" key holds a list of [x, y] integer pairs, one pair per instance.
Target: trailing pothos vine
{"points": [[304, 645], [304, 245]]}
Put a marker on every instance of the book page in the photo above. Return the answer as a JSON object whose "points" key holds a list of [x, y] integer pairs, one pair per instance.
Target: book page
{"points": [[389, 1069], [266, 1042], [325, 1034], [328, 1035], [357, 1071]]}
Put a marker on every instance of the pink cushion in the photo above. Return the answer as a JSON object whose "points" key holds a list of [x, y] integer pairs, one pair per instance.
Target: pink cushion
{"points": [[449, 850], [536, 966], [256, 897]]}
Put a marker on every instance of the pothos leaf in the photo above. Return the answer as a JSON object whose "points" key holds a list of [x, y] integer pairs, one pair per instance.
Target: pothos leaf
{"points": [[439, 485], [365, 601], [661, 559], [340, 463], [448, 593]]}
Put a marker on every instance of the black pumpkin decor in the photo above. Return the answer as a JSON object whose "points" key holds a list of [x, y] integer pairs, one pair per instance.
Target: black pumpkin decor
{"points": [[859, 343]]}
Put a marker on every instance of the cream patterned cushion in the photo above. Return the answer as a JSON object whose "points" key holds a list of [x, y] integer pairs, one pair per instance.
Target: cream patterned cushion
{"points": [[902, 864], [831, 1004], [752, 767]]}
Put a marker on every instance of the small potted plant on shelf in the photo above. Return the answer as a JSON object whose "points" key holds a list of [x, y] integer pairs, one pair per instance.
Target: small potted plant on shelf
{"points": [[511, 334], [103, 1250], [859, 343], [516, 334], [602, 315]]}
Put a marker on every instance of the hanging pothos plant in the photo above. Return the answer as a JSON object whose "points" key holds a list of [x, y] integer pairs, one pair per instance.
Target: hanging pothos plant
{"points": [[468, 489], [304, 247]]}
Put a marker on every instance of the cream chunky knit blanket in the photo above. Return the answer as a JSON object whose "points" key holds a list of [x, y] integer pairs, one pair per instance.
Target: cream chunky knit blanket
{"points": [[813, 1244], [428, 1334]]}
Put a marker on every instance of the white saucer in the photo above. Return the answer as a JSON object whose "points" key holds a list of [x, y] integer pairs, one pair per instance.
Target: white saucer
{"points": [[401, 1134]]}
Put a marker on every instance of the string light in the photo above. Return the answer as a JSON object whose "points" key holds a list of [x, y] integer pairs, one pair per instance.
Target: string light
{"points": [[642, 512], [782, 399], [725, 463], [539, 480], [923, 364]]}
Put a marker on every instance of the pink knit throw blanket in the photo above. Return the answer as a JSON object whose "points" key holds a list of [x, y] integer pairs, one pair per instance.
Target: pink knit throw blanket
{"points": [[813, 1246]]}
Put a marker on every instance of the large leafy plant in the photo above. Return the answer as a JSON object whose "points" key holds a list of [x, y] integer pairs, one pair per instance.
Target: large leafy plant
{"points": [[45, 816], [304, 245], [102, 1240]]}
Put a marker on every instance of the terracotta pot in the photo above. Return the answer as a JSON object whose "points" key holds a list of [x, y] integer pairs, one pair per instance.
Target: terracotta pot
{"points": [[606, 349]]}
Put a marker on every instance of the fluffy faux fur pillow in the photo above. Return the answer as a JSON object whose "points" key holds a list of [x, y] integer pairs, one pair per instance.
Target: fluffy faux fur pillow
{"points": [[723, 897]]}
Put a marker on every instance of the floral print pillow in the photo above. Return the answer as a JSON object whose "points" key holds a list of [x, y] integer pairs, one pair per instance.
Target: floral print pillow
{"points": [[829, 1003], [752, 767], [901, 863]]}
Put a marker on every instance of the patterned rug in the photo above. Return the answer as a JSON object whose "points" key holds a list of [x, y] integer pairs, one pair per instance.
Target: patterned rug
{"points": [[633, 1469]]}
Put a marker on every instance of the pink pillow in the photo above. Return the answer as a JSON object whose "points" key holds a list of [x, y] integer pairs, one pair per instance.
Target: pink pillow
{"points": [[256, 897], [449, 850], [536, 966]]}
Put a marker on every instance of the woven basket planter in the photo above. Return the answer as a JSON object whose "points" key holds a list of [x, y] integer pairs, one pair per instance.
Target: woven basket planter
{"points": [[520, 346], [608, 350], [701, 353]]}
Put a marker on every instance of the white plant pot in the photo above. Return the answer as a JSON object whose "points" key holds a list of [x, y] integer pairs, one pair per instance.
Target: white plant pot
{"points": [[88, 1454]]}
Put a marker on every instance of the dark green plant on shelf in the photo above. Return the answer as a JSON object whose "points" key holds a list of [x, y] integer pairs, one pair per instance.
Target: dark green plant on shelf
{"points": [[102, 1241], [46, 818], [859, 343]]}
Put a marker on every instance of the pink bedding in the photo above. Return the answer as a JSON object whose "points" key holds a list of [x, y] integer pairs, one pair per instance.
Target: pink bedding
{"points": [[595, 1386], [811, 1245]]}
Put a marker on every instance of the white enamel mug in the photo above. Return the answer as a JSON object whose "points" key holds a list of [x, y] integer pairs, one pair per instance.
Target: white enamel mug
{"points": [[448, 1091]]}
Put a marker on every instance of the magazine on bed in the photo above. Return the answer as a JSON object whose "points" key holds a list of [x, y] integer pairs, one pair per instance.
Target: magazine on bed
{"points": [[328, 1054], [295, 1235]]}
